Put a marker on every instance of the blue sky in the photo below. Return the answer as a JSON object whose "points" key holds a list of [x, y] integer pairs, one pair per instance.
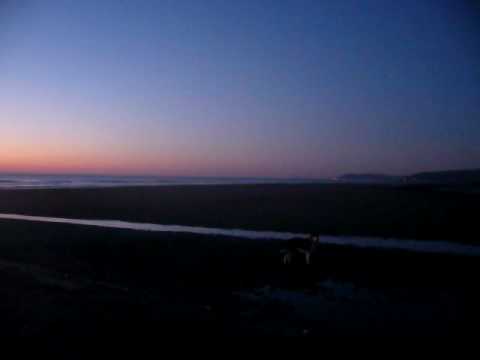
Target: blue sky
{"points": [[246, 88]]}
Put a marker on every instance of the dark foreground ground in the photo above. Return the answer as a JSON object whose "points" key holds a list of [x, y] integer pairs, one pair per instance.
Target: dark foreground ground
{"points": [[419, 212], [61, 280]]}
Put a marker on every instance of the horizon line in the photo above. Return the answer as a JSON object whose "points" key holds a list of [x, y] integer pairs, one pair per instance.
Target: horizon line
{"points": [[309, 178]]}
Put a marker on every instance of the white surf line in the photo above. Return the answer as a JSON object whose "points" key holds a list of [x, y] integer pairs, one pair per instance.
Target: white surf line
{"points": [[115, 224], [444, 247]]}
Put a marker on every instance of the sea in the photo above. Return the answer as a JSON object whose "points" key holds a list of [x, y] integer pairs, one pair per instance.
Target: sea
{"points": [[18, 182]]}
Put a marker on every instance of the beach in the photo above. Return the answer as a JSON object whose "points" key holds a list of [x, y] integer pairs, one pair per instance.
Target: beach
{"points": [[61, 279], [421, 213], [65, 279], [253, 168]]}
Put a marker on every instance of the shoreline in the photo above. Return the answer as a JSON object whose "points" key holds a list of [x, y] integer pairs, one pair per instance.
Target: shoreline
{"points": [[331, 209], [440, 247]]}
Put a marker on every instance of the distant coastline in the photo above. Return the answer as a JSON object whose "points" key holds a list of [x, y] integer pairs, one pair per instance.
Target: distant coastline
{"points": [[451, 177]]}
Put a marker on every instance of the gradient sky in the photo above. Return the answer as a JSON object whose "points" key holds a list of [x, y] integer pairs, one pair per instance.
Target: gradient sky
{"points": [[239, 88]]}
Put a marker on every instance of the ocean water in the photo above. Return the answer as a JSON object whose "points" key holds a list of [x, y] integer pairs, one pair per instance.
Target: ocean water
{"points": [[17, 182]]}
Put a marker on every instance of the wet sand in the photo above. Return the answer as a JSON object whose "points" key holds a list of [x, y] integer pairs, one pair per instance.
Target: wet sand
{"points": [[429, 246], [423, 213]]}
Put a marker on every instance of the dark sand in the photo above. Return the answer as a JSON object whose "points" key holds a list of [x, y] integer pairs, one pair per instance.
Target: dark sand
{"points": [[61, 280], [421, 212]]}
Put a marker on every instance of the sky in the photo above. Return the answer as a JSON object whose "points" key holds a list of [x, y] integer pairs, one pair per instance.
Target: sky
{"points": [[264, 88]]}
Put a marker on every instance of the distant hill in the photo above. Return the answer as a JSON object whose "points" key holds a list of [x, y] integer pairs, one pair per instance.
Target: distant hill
{"points": [[459, 177], [371, 178], [453, 177]]}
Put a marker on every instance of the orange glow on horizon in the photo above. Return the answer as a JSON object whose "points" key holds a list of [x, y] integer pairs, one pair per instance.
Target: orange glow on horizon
{"points": [[35, 162], [18, 159], [23, 160]]}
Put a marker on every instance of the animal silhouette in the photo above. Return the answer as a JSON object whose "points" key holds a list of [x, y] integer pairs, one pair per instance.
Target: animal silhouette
{"points": [[300, 250]]}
